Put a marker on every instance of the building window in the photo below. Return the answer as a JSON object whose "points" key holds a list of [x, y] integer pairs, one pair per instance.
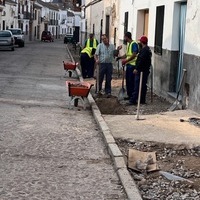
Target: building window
{"points": [[22, 9], [4, 25], [93, 29], [101, 29], [2, 2], [18, 7], [115, 35], [35, 17], [159, 29], [108, 25], [125, 23]]}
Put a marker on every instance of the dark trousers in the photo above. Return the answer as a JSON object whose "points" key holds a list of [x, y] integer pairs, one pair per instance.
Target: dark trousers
{"points": [[90, 70], [105, 69], [136, 88], [130, 80], [87, 65]]}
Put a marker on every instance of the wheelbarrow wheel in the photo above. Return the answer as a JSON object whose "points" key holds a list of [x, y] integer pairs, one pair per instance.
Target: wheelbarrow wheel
{"points": [[70, 74], [76, 102]]}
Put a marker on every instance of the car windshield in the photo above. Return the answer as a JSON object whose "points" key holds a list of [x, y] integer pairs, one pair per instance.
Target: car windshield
{"points": [[16, 32], [5, 34]]}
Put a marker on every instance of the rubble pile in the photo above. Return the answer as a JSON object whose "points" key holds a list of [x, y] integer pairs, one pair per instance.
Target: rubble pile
{"points": [[181, 162]]}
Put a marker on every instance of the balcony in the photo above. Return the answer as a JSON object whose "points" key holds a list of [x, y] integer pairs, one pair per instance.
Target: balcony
{"points": [[20, 16], [2, 5], [26, 15], [53, 22]]}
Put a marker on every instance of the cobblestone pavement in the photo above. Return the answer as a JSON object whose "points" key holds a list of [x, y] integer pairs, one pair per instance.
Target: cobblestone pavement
{"points": [[46, 150]]}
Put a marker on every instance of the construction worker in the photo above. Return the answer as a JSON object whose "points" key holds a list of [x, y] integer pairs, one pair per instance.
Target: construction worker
{"points": [[143, 64], [87, 62], [91, 41], [129, 59], [104, 56]]}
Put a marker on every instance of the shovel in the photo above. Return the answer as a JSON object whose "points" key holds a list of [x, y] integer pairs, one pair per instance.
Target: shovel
{"points": [[122, 90], [177, 101], [139, 97], [97, 78]]}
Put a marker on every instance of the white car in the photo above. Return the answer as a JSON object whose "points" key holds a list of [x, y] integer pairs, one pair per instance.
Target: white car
{"points": [[7, 40], [18, 35]]}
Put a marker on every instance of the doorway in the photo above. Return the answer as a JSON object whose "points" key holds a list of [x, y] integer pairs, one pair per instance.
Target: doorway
{"points": [[146, 22], [182, 24], [142, 23]]}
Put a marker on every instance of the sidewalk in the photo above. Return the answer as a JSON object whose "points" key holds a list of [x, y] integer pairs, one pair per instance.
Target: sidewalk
{"points": [[165, 127]]}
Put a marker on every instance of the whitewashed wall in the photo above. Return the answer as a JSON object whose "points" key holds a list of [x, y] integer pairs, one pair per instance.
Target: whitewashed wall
{"points": [[192, 45], [9, 14], [94, 14], [171, 21], [112, 8], [125, 6], [170, 32]]}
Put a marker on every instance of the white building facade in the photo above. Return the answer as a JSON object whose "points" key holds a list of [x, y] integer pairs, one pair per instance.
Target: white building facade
{"points": [[173, 31], [9, 17]]}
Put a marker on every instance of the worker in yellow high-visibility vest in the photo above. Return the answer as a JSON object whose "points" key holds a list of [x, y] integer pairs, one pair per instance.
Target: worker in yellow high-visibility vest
{"points": [[87, 62], [129, 59], [91, 41]]}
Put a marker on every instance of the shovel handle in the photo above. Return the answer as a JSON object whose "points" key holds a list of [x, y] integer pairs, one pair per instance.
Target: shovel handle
{"points": [[123, 75], [139, 96], [97, 78]]}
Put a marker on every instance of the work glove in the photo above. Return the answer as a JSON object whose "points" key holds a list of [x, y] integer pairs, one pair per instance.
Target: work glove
{"points": [[124, 61]]}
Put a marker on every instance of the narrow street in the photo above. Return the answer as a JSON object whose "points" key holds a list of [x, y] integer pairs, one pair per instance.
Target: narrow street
{"points": [[48, 151]]}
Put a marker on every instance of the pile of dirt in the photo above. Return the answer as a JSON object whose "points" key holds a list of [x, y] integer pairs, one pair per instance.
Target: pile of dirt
{"points": [[110, 106]]}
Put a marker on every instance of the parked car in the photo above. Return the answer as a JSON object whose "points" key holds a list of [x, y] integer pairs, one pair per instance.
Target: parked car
{"points": [[7, 40], [19, 36], [47, 36]]}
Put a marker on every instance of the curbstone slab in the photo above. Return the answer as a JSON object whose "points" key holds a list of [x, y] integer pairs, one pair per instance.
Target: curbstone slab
{"points": [[90, 99], [129, 185], [119, 163], [114, 150], [103, 125], [108, 137]]}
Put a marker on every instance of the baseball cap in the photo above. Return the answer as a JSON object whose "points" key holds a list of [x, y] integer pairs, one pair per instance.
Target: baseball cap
{"points": [[144, 39]]}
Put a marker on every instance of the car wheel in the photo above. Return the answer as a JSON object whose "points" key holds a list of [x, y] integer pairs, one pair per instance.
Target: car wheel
{"points": [[12, 49]]}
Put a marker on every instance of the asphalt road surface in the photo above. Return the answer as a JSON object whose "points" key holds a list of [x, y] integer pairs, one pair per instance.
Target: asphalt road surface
{"points": [[46, 150]]}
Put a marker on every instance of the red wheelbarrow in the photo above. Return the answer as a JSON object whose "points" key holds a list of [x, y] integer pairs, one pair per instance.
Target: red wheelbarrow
{"points": [[78, 91], [70, 67]]}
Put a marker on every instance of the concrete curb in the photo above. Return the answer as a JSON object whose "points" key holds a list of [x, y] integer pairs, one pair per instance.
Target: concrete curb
{"points": [[114, 151]]}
